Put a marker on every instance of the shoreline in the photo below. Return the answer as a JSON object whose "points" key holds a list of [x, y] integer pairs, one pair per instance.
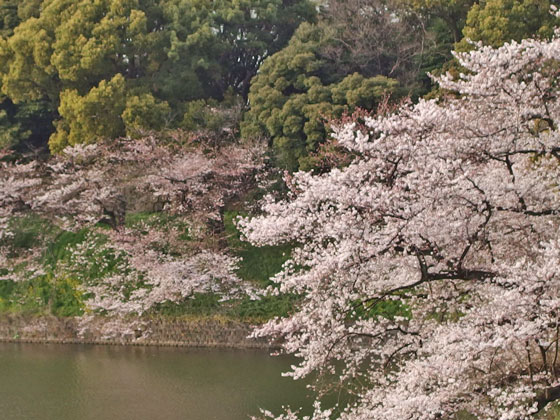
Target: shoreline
{"points": [[160, 332]]}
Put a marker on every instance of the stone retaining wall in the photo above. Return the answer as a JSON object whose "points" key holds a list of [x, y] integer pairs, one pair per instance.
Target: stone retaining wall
{"points": [[135, 332]]}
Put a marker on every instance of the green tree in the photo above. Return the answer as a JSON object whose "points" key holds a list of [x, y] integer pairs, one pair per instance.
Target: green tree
{"points": [[253, 30], [25, 124], [495, 22], [29, 121], [374, 37], [144, 112], [443, 16], [442, 22], [8, 17], [222, 43], [293, 94], [167, 52], [95, 115], [12, 12]]}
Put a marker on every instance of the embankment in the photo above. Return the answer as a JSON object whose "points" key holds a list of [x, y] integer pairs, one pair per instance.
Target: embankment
{"points": [[135, 332]]}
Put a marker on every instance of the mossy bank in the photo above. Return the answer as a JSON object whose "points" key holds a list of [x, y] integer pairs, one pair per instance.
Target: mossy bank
{"points": [[160, 331]]}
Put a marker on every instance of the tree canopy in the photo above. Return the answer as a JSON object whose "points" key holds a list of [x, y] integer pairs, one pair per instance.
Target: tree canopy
{"points": [[384, 47], [31, 121], [495, 22], [448, 217], [295, 92], [56, 55], [164, 53]]}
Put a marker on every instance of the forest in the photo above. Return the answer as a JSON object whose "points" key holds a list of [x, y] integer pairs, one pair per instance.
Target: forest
{"points": [[373, 183]]}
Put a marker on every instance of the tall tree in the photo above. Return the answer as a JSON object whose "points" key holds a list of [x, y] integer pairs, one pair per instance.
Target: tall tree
{"points": [[29, 122], [495, 22], [175, 51], [374, 37], [452, 13], [430, 266], [297, 89]]}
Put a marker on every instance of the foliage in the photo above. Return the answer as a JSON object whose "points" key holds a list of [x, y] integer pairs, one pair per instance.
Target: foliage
{"points": [[452, 14], [131, 65], [25, 125], [200, 305], [214, 122], [452, 208], [28, 122], [245, 309], [443, 21], [264, 309], [163, 221], [225, 42], [495, 22], [59, 249], [8, 17], [257, 265], [375, 37], [61, 295], [291, 97], [27, 231], [44, 294], [87, 118], [143, 113]]}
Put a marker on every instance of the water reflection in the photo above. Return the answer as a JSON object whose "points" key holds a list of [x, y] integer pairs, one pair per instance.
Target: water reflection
{"points": [[97, 382]]}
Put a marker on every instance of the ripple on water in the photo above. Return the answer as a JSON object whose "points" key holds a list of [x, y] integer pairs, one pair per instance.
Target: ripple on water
{"points": [[69, 382]]}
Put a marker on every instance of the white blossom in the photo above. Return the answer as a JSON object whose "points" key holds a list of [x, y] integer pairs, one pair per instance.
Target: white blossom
{"points": [[452, 208]]}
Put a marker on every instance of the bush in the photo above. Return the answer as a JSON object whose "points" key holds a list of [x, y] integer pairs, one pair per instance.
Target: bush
{"points": [[58, 296]]}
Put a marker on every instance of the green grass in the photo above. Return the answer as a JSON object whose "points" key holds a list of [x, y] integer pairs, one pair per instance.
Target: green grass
{"points": [[159, 220], [100, 260], [57, 291], [258, 263], [553, 413], [200, 305], [28, 232], [44, 294], [60, 248], [7, 288], [264, 309], [246, 310]]}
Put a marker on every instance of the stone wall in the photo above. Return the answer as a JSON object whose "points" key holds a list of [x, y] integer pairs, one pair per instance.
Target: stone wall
{"points": [[140, 331]]}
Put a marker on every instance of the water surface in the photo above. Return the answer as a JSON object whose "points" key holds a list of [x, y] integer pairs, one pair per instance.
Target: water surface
{"points": [[82, 382]]}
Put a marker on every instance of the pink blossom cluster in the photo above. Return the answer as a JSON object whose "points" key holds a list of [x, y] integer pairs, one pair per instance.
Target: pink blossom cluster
{"points": [[90, 183], [200, 183], [141, 267], [452, 209], [156, 277], [94, 182]]}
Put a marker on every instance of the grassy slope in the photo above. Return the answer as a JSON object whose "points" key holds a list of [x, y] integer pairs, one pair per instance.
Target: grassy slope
{"points": [[57, 290]]}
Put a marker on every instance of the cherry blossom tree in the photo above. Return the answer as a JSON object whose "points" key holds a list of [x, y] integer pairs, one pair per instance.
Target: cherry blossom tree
{"points": [[135, 268], [89, 183], [146, 276], [450, 212]]}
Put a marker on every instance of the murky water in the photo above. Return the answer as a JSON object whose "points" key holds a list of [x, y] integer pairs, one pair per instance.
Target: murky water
{"points": [[79, 382]]}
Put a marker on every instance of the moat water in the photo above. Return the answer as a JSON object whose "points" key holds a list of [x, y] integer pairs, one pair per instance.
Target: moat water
{"points": [[82, 382]]}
